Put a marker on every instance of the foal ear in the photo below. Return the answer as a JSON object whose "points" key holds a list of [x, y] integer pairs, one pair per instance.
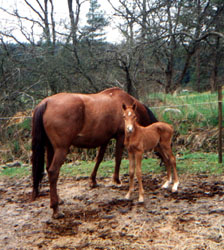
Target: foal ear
{"points": [[134, 106], [124, 106]]}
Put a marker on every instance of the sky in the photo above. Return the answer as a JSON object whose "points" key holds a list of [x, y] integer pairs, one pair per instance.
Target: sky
{"points": [[61, 13]]}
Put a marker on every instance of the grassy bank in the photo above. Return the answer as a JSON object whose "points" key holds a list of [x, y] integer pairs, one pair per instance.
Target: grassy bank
{"points": [[187, 110], [187, 163]]}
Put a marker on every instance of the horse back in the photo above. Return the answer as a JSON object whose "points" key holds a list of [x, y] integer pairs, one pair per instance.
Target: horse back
{"points": [[165, 130]]}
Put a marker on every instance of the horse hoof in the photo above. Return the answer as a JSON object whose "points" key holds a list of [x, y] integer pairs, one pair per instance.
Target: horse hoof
{"points": [[58, 215], [60, 201], [92, 184], [34, 195], [116, 181]]}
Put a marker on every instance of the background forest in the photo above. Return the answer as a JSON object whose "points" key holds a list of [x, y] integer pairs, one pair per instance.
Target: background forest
{"points": [[163, 45]]}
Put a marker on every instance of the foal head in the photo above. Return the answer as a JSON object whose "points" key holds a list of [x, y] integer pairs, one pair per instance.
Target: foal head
{"points": [[129, 118]]}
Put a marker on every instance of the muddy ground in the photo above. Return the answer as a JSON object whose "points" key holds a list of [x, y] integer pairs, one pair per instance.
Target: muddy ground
{"points": [[101, 219]]}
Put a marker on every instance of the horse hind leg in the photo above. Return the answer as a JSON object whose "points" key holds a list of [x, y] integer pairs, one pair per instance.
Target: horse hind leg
{"points": [[118, 157], [53, 173], [50, 155]]}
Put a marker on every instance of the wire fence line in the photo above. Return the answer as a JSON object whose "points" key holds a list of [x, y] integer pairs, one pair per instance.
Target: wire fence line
{"points": [[159, 107], [15, 117], [182, 105]]}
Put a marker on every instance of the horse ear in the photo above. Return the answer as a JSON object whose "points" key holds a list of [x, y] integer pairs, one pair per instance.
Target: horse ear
{"points": [[134, 106], [124, 106]]}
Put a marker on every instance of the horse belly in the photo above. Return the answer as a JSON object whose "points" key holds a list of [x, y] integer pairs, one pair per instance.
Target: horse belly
{"points": [[92, 138]]}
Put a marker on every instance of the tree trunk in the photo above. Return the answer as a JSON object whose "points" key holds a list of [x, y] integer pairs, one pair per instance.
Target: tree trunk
{"points": [[198, 68]]}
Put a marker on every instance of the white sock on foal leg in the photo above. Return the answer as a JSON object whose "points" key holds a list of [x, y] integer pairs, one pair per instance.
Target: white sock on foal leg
{"points": [[167, 183], [175, 186]]}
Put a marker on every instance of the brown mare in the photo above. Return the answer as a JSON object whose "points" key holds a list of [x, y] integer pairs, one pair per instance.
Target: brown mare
{"points": [[138, 139], [82, 120]]}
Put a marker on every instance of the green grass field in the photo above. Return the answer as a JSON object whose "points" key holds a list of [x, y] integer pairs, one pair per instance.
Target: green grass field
{"points": [[187, 163]]}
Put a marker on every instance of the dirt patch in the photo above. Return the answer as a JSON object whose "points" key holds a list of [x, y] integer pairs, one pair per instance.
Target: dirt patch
{"points": [[101, 219]]}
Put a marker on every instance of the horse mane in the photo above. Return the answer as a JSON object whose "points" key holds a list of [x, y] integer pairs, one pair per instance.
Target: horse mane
{"points": [[152, 117]]}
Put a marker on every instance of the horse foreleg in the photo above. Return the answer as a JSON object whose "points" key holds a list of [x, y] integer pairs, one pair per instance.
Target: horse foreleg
{"points": [[131, 174], [118, 157], [139, 175], [99, 158], [53, 173]]}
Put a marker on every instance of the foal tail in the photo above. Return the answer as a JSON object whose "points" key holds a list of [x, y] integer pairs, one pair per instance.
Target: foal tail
{"points": [[38, 147]]}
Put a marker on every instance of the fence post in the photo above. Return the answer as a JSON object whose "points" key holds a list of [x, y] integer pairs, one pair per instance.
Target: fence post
{"points": [[220, 123]]}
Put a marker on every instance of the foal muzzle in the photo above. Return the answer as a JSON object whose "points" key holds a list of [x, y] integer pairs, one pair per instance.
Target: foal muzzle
{"points": [[129, 128]]}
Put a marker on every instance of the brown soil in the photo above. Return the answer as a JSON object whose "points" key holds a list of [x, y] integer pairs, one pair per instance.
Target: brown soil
{"points": [[101, 219]]}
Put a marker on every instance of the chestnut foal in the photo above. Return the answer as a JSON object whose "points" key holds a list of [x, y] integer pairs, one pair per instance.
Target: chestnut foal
{"points": [[138, 139]]}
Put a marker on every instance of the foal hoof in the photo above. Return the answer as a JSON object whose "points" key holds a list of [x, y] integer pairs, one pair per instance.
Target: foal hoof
{"points": [[127, 197], [175, 187], [141, 200]]}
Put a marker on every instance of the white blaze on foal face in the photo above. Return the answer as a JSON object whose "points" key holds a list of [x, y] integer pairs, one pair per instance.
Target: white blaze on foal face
{"points": [[129, 122]]}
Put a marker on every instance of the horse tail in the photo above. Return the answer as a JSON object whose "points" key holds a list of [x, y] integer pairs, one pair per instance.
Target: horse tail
{"points": [[38, 147], [152, 117]]}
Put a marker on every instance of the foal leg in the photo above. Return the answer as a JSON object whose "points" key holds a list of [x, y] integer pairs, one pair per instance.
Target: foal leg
{"points": [[99, 158], [162, 150], [53, 173], [172, 161], [139, 175], [131, 157]]}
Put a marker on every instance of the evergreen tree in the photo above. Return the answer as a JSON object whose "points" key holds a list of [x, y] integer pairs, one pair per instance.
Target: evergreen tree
{"points": [[96, 22]]}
